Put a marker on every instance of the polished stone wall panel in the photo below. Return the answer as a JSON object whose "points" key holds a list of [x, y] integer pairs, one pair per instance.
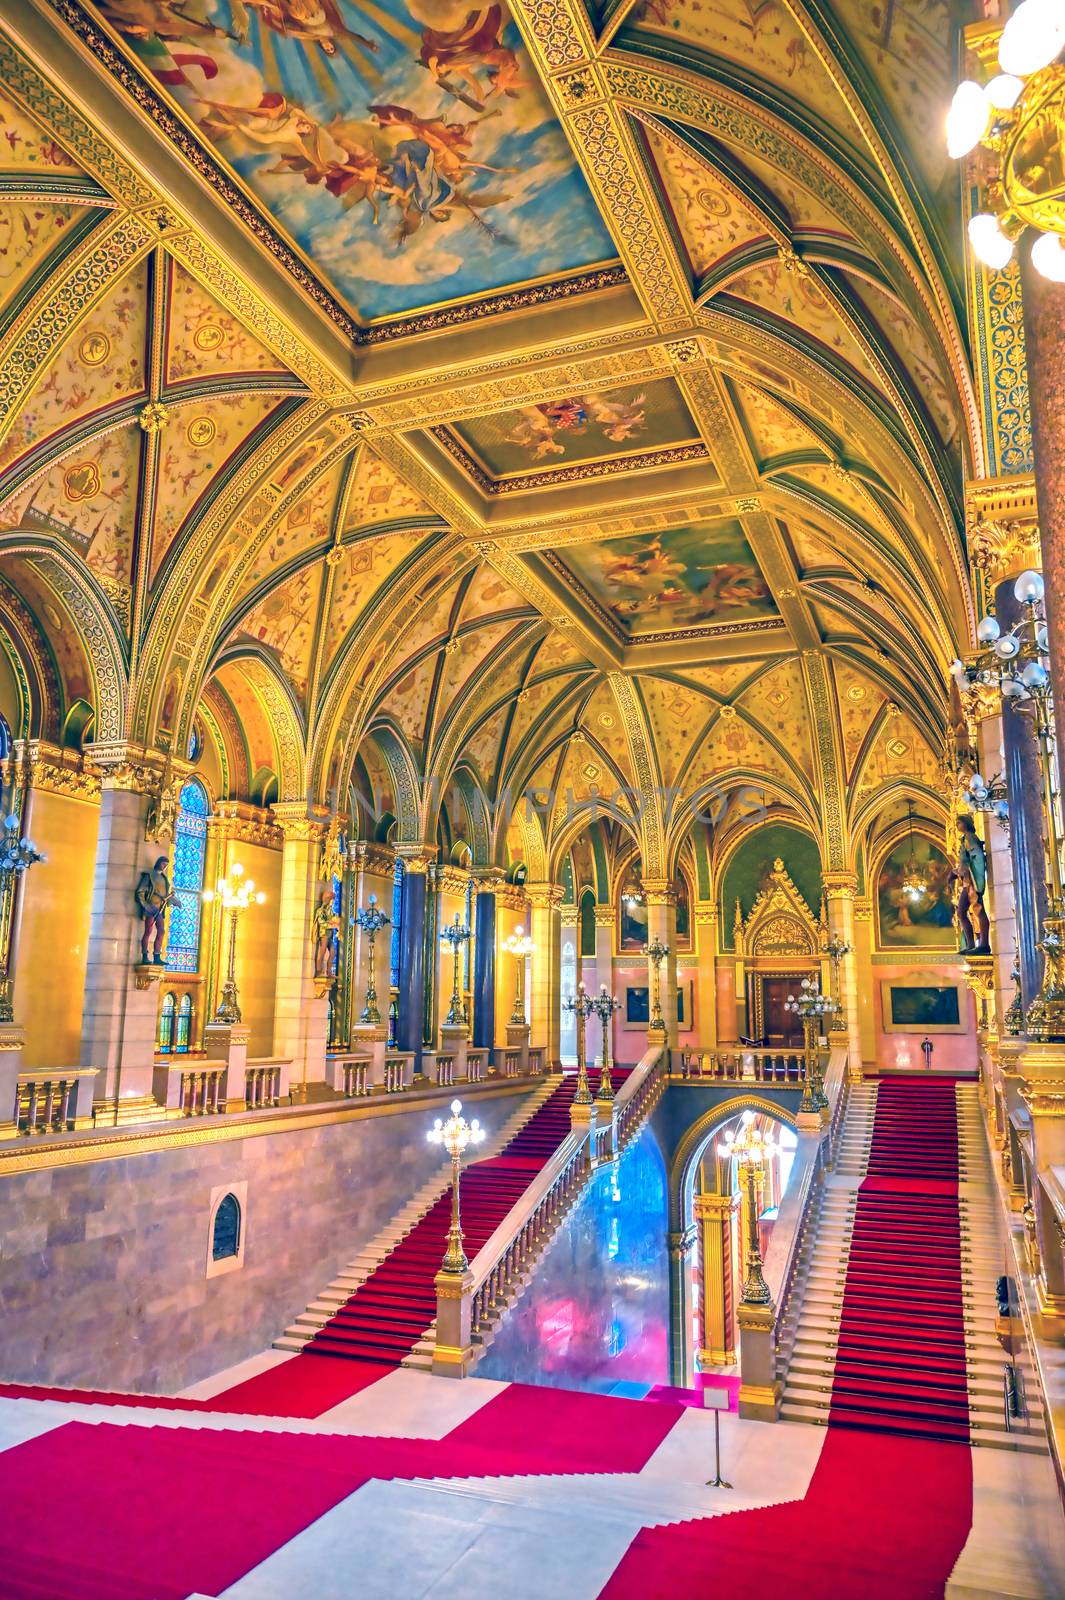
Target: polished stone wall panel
{"points": [[103, 1267]]}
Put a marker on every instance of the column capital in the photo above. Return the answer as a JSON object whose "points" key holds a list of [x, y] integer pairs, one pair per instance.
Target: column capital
{"points": [[705, 914], [714, 1207], [367, 856], [604, 916], [135, 768], [244, 824], [659, 891], [299, 822], [544, 895], [571, 916], [863, 908], [53, 770], [488, 880], [449, 879], [680, 1241], [839, 885], [416, 858]]}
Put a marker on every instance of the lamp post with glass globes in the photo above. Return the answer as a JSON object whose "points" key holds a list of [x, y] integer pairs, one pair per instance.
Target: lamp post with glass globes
{"points": [[1016, 662], [456, 1134], [521, 947], [988, 796], [371, 919], [656, 952], [455, 934], [17, 855], [236, 893], [1019, 117], [752, 1151], [836, 949], [604, 1005], [812, 1007], [581, 1005]]}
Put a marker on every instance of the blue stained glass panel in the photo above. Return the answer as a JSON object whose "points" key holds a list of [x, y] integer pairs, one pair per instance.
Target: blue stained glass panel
{"points": [[397, 922], [190, 848]]}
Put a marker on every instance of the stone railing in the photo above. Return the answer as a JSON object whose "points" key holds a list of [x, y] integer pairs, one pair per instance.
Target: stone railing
{"points": [[265, 1083], [764, 1348], [740, 1063], [348, 1074], [202, 1089], [53, 1101], [469, 1306], [399, 1071]]}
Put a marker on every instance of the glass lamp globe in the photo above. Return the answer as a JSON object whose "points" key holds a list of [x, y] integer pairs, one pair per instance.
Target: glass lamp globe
{"points": [[1032, 37], [1001, 810], [967, 119], [1034, 675], [977, 786], [990, 244], [1029, 588], [1048, 257], [1005, 647], [1003, 92], [988, 629], [1012, 689], [957, 671]]}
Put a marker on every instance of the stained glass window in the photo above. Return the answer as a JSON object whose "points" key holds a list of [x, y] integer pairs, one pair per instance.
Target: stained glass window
{"points": [[397, 921], [183, 1035], [467, 953], [190, 845], [226, 1241], [165, 1042]]}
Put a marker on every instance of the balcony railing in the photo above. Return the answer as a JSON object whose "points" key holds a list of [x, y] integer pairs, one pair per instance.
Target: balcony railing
{"points": [[739, 1064]]}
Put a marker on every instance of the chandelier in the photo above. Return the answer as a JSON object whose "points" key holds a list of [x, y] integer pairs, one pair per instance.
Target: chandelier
{"points": [[916, 877], [1019, 116]]}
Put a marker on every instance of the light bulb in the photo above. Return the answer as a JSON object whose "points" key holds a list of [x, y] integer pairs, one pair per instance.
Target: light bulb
{"points": [[990, 244], [1048, 257], [1005, 647], [967, 119], [988, 630], [1032, 37], [1003, 92], [1034, 675], [1029, 588], [1001, 810], [1042, 638], [1012, 689], [977, 786]]}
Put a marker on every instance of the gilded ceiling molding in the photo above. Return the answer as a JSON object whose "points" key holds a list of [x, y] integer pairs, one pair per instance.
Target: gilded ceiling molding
{"points": [[85, 277], [521, 577], [652, 822], [400, 455], [82, 598], [493, 305], [466, 710], [672, 455], [25, 637], [823, 714], [782, 577]]}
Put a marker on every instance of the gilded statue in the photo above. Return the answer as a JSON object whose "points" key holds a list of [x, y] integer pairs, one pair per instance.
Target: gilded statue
{"points": [[972, 919], [325, 931], [154, 898]]}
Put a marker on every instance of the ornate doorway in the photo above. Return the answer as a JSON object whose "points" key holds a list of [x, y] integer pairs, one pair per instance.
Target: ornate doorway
{"points": [[778, 946]]}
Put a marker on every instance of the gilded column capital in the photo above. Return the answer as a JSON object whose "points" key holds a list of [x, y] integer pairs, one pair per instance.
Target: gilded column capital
{"points": [[571, 916], [416, 858], [840, 885], [489, 880], [680, 1241], [242, 823], [366, 856], [53, 770], [659, 891], [714, 1207], [135, 768], [705, 914], [1001, 525], [299, 822], [543, 896], [451, 880], [863, 908], [604, 916]]}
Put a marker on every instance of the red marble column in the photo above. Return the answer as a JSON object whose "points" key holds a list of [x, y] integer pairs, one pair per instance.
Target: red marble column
{"points": [[1044, 334]]}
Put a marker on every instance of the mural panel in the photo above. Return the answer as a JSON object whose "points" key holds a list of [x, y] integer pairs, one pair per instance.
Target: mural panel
{"points": [[407, 148], [749, 870], [579, 428], [907, 917], [700, 574]]}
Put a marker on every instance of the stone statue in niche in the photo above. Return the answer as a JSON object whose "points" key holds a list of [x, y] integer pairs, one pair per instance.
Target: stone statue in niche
{"points": [[973, 924], [154, 899], [325, 930]]}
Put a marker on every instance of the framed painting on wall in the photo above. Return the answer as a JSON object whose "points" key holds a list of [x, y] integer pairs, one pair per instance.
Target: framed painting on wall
{"points": [[922, 1007], [638, 1005]]}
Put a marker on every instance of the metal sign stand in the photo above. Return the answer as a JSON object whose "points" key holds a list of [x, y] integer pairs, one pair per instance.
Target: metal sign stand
{"points": [[716, 1400]]}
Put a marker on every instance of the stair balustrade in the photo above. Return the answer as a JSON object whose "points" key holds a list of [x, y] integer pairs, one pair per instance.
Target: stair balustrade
{"points": [[476, 1065], [741, 1065], [262, 1085], [468, 1306], [47, 1102]]}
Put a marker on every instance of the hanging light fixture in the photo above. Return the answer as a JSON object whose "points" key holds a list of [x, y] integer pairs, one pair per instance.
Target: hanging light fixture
{"points": [[1019, 116], [916, 877]]}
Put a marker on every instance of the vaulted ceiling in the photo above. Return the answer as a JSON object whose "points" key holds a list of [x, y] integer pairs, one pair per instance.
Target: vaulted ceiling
{"points": [[574, 397]]}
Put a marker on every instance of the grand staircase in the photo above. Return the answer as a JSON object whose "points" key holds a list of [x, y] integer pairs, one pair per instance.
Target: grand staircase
{"points": [[381, 1305], [893, 1326]]}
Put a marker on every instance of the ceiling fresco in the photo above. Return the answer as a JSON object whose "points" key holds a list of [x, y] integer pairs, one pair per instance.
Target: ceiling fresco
{"points": [[684, 578], [407, 149], [590, 427]]}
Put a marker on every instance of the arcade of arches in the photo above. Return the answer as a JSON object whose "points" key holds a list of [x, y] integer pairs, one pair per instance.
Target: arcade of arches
{"points": [[496, 509]]}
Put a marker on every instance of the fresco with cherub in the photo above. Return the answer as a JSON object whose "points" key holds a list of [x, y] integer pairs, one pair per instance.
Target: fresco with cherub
{"points": [[407, 148]]}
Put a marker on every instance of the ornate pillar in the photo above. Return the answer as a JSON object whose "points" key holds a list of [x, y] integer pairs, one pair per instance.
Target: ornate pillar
{"points": [[605, 923], [1027, 828], [864, 977], [137, 811], [705, 917], [300, 1006], [569, 972], [410, 1027], [545, 1001], [680, 1307], [488, 883], [661, 897], [715, 1218], [840, 889]]}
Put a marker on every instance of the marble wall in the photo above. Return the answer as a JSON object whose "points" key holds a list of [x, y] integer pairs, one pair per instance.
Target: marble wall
{"points": [[103, 1273], [596, 1311]]}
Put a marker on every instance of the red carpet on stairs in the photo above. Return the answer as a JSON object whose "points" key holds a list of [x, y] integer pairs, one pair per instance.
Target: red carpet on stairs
{"points": [[900, 1363], [387, 1315]]}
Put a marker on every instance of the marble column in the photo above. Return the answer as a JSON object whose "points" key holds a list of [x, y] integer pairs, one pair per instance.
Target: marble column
{"points": [[1027, 831], [661, 898], [120, 1010], [1044, 339], [484, 960], [602, 973], [840, 889], [865, 977], [715, 1219], [706, 922], [680, 1307], [1001, 905], [410, 1027], [545, 1001], [301, 1017]]}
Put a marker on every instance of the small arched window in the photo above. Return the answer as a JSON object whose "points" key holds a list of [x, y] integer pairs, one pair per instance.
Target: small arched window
{"points": [[183, 1033], [225, 1240], [167, 1013], [190, 848]]}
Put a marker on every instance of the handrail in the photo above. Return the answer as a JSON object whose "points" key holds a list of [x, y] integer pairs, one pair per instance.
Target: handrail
{"points": [[784, 1066], [1007, 1395], [572, 1146]]}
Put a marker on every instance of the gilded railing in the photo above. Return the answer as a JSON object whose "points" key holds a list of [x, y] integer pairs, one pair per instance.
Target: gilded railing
{"points": [[739, 1064]]}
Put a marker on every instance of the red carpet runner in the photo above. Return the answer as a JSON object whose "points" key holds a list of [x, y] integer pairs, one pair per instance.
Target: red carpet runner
{"points": [[900, 1365], [387, 1315]]}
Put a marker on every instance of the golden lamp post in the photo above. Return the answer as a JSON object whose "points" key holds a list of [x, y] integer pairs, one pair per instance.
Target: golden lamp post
{"points": [[456, 1134], [581, 1005], [656, 952], [520, 946], [371, 920], [236, 893], [752, 1150], [604, 1005]]}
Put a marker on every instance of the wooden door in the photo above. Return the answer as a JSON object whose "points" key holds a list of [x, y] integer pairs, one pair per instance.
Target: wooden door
{"points": [[782, 1028]]}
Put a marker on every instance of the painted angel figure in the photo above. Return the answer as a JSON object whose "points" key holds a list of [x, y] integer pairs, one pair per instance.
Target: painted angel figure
{"points": [[317, 22]]}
